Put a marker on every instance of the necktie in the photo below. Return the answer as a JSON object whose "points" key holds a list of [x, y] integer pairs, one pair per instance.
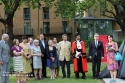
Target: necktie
{"points": [[43, 44], [96, 43]]}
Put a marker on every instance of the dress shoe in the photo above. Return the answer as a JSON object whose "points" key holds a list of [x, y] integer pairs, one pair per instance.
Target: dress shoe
{"points": [[83, 77], [77, 77], [97, 77], [45, 76], [64, 77], [68, 76], [93, 77]]}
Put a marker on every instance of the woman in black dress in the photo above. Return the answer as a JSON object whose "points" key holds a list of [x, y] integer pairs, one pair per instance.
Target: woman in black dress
{"points": [[57, 57], [51, 58]]}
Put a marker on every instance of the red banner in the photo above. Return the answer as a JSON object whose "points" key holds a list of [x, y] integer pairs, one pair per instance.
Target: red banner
{"points": [[104, 39]]}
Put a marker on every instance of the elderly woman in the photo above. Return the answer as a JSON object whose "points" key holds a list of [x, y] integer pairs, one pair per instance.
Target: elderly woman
{"points": [[26, 57], [17, 60], [58, 62], [51, 58], [37, 61]]}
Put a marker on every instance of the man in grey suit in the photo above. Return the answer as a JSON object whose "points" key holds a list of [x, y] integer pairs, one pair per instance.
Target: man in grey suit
{"points": [[4, 58]]}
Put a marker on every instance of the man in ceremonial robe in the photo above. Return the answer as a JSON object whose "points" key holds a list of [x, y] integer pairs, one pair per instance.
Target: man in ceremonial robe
{"points": [[79, 57]]}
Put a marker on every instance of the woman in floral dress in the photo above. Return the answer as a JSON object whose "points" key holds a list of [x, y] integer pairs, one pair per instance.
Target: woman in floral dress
{"points": [[112, 64]]}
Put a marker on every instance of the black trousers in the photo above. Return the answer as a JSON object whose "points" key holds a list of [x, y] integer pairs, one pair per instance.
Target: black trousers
{"points": [[67, 63], [77, 75], [96, 62], [44, 66], [32, 73], [80, 70]]}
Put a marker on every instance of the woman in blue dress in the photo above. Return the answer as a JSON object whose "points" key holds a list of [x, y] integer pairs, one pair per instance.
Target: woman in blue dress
{"points": [[51, 58], [37, 61]]}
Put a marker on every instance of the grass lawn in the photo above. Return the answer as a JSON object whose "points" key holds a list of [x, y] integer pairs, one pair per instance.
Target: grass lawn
{"points": [[66, 80]]}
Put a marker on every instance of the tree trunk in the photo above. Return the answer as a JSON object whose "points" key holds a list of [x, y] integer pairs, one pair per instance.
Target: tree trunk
{"points": [[9, 30], [123, 31]]}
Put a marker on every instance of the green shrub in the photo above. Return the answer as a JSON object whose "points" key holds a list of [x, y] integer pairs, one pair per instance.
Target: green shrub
{"points": [[119, 43], [87, 42], [11, 64], [87, 52]]}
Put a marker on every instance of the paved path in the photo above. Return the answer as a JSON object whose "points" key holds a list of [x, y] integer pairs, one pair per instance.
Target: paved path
{"points": [[107, 80]]}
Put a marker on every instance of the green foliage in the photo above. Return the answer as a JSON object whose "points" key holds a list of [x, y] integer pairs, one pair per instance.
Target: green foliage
{"points": [[11, 65], [70, 8], [119, 43], [87, 42]]}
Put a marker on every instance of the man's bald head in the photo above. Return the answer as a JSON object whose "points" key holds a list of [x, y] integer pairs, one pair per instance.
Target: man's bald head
{"points": [[30, 40]]}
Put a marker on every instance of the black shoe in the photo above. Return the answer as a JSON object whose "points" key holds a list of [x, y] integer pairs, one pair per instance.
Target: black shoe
{"points": [[97, 77], [77, 77], [83, 77], [68, 76], [45, 76], [64, 77], [93, 77]]}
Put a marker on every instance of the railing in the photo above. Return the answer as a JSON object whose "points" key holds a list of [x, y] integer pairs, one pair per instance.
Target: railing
{"points": [[56, 30], [26, 31], [45, 15], [27, 17]]}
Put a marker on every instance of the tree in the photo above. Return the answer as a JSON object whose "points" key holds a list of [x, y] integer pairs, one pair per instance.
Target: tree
{"points": [[10, 7], [110, 8]]}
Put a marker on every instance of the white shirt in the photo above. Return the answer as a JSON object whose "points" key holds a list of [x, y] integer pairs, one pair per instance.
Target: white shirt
{"points": [[96, 43], [43, 43]]}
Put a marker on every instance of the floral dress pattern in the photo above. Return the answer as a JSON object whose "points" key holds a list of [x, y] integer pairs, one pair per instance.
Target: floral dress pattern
{"points": [[112, 64]]}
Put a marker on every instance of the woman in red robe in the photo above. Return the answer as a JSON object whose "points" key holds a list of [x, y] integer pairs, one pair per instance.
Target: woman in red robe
{"points": [[79, 57]]}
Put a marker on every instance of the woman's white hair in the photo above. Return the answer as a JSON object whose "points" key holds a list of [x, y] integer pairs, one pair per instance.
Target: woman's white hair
{"points": [[36, 41], [4, 35], [50, 41]]}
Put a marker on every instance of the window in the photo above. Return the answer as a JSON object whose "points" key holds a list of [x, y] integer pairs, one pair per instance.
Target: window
{"points": [[27, 28], [26, 13], [45, 13], [46, 27], [65, 27]]}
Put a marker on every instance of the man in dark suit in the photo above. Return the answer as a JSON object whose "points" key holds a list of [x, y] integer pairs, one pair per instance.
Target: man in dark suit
{"points": [[96, 52], [43, 44]]}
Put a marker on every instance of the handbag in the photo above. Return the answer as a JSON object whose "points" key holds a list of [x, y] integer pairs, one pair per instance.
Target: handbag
{"points": [[53, 65], [118, 56]]}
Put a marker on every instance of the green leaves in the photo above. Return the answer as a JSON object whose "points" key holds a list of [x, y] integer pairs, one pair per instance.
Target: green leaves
{"points": [[72, 8]]}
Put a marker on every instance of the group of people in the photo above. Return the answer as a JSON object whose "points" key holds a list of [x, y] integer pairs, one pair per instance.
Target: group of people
{"points": [[35, 55]]}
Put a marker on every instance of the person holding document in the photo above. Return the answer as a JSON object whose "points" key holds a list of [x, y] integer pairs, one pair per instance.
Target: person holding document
{"points": [[79, 57]]}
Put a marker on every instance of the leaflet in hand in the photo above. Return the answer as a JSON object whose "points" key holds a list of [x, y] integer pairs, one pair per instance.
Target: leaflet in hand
{"points": [[109, 46]]}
